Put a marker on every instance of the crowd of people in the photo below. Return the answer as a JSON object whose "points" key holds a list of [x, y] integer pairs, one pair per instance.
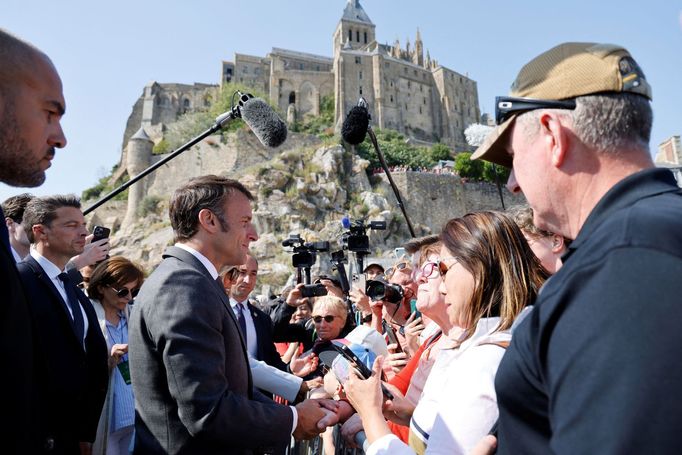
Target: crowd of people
{"points": [[433, 170], [549, 328]]}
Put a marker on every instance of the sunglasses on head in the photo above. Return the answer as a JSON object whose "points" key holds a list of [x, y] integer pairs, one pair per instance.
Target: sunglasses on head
{"points": [[506, 106], [123, 292], [400, 266], [328, 319]]}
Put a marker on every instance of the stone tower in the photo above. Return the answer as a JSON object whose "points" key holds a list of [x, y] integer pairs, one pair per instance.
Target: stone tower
{"points": [[137, 160], [354, 28], [355, 31]]}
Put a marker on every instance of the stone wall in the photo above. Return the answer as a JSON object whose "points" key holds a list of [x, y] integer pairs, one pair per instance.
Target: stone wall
{"points": [[210, 156], [433, 199]]}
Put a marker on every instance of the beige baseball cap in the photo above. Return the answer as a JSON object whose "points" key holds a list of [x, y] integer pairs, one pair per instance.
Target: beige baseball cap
{"points": [[565, 72]]}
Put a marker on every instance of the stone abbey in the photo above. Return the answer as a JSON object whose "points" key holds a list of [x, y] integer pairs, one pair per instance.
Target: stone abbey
{"points": [[406, 89]]}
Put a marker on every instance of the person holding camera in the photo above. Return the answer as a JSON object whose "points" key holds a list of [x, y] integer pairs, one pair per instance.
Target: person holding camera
{"points": [[113, 285], [390, 304]]}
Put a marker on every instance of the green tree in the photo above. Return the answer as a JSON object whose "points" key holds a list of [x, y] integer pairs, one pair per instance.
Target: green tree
{"points": [[490, 169], [466, 167], [440, 152]]}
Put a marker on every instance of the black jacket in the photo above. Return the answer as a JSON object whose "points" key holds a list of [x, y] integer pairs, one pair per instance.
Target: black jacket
{"points": [[76, 379], [20, 405]]}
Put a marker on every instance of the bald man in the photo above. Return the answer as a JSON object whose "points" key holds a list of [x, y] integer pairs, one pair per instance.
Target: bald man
{"points": [[31, 107]]}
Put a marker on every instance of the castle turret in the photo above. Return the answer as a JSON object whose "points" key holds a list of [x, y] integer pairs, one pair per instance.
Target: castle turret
{"points": [[138, 158]]}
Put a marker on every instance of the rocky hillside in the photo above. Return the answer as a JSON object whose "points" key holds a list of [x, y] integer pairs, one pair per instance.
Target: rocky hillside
{"points": [[304, 187]]}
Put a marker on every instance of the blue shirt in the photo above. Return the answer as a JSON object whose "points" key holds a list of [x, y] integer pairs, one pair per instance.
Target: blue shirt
{"points": [[123, 413]]}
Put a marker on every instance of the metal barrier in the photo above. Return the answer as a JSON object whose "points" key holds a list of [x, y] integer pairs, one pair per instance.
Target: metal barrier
{"points": [[315, 445]]}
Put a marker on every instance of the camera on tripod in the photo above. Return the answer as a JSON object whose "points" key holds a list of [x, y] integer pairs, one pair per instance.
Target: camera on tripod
{"points": [[356, 239], [304, 257]]}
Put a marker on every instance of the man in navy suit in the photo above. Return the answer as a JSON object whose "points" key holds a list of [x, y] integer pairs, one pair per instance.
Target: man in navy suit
{"points": [[70, 345], [258, 325], [31, 107], [190, 371]]}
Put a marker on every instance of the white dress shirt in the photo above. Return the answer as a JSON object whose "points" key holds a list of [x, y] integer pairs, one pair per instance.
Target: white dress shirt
{"points": [[52, 271], [16, 256]]}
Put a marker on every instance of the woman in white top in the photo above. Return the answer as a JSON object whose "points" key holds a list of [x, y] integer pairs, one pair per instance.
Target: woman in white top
{"points": [[489, 275]]}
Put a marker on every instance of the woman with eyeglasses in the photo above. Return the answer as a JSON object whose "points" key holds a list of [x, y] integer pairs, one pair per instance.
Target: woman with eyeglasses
{"points": [[409, 382], [489, 274], [113, 285]]}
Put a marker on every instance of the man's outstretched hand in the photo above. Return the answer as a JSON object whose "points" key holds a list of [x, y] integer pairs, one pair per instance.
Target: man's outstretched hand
{"points": [[314, 416]]}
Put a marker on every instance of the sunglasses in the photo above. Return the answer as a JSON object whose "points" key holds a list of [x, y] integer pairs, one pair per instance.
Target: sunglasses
{"points": [[123, 292], [427, 271], [328, 319], [443, 268], [400, 266], [506, 106]]}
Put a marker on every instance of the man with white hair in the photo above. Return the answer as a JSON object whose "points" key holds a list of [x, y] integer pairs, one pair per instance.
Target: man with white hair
{"points": [[592, 369]]}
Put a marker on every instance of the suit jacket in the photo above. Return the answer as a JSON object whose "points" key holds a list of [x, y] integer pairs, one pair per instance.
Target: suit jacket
{"points": [[20, 405], [76, 378], [266, 346], [190, 371]]}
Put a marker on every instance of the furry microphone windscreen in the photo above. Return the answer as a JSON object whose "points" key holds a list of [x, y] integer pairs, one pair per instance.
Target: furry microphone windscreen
{"points": [[268, 127], [355, 126], [476, 133]]}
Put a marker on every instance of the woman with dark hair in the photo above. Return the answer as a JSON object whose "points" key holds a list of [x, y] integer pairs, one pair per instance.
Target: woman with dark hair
{"points": [[113, 285], [489, 274]]}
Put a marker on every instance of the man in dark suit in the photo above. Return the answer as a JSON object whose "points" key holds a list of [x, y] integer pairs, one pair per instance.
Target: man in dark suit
{"points": [[189, 367], [257, 324], [31, 106], [70, 342]]}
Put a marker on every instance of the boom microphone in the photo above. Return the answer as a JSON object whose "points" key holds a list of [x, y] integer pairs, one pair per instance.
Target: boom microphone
{"points": [[354, 129], [355, 126], [268, 127]]}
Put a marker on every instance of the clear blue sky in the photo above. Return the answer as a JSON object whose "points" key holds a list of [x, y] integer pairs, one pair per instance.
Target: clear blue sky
{"points": [[107, 51]]}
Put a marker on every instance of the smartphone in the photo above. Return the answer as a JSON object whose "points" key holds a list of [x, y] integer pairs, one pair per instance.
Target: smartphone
{"points": [[392, 338], [359, 281], [350, 357], [399, 252], [99, 233], [413, 309]]}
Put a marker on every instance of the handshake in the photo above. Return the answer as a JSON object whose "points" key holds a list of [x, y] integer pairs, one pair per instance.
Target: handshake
{"points": [[314, 416]]}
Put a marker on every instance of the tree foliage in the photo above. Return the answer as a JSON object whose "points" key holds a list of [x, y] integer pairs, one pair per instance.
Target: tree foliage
{"points": [[479, 170], [468, 168], [398, 152]]}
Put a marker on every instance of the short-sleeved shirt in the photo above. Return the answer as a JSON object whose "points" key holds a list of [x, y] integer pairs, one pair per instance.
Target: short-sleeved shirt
{"points": [[595, 367]]}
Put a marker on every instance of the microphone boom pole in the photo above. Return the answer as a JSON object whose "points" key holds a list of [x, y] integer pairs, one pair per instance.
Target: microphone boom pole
{"points": [[373, 139], [268, 127], [220, 123]]}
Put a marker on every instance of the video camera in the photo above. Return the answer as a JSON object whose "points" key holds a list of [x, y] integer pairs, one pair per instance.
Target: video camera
{"points": [[356, 239], [304, 257]]}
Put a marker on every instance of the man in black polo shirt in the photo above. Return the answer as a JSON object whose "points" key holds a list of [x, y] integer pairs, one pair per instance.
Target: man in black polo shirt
{"points": [[595, 366]]}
